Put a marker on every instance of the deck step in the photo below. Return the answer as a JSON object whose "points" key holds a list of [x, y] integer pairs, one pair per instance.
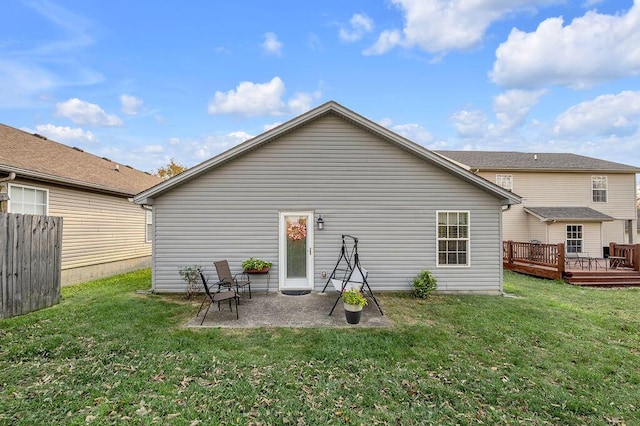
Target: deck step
{"points": [[595, 278], [610, 278], [606, 284]]}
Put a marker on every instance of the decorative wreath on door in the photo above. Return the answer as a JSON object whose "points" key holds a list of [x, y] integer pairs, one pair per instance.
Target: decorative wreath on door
{"points": [[296, 231]]}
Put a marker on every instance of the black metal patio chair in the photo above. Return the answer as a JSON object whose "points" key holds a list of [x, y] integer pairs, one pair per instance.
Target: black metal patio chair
{"points": [[227, 279], [217, 297]]}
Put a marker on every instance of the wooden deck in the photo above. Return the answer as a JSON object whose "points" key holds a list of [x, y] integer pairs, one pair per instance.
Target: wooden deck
{"points": [[548, 261]]}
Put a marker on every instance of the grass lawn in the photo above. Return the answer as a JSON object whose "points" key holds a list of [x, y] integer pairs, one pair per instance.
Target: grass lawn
{"points": [[555, 354]]}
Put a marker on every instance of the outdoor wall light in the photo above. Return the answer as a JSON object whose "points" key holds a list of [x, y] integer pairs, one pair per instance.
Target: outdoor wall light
{"points": [[320, 222]]}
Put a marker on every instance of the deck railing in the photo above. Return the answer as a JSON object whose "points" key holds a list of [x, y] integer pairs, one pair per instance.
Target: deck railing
{"points": [[630, 253], [546, 260]]}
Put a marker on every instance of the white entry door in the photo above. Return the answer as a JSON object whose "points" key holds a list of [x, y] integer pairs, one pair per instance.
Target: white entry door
{"points": [[296, 251]]}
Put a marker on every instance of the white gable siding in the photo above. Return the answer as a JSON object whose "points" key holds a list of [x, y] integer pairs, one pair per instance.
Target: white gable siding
{"points": [[592, 242], [561, 189], [360, 184]]}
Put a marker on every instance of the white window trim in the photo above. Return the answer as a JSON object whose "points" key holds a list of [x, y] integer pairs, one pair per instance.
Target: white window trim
{"points": [[566, 240], [606, 189], [148, 238], [468, 240], [499, 183], [17, 185]]}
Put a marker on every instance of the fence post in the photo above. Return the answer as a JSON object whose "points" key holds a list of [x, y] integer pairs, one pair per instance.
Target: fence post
{"points": [[636, 257], [612, 249], [561, 259], [510, 252]]}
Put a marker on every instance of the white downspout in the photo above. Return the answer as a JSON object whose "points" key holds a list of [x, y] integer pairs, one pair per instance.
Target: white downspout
{"points": [[11, 177]]}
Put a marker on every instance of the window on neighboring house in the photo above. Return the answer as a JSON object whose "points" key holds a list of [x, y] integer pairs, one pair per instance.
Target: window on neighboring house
{"points": [[599, 189], [505, 181], [453, 238], [28, 200], [574, 238], [149, 228]]}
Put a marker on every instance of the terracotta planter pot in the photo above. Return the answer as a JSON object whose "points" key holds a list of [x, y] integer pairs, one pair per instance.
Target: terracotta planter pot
{"points": [[257, 271], [353, 313]]}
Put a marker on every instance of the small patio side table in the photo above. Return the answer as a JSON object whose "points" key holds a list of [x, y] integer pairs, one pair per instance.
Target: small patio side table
{"points": [[266, 273]]}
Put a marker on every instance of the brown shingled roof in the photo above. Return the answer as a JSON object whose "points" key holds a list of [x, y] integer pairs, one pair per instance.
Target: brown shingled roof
{"points": [[569, 213], [36, 157], [504, 160]]}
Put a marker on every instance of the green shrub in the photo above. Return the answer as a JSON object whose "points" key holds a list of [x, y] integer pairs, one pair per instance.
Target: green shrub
{"points": [[190, 275], [423, 284]]}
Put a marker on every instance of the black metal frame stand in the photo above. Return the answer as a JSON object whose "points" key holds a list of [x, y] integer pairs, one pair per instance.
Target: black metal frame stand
{"points": [[349, 255]]}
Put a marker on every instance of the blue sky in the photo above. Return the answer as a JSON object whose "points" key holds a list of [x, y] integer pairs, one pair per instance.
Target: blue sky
{"points": [[144, 81]]}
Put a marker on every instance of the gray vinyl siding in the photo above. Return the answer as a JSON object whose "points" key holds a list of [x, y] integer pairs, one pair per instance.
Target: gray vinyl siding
{"points": [[360, 184]]}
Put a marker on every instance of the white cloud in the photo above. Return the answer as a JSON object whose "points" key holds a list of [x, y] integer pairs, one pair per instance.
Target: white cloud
{"points": [[412, 131], [360, 25], [65, 134], [76, 28], [82, 112], [386, 41], [212, 145], [591, 49], [21, 82], [442, 25], [270, 126], [606, 115], [130, 104], [470, 124], [301, 102], [26, 72], [512, 108], [271, 45], [253, 99], [386, 122], [250, 99]]}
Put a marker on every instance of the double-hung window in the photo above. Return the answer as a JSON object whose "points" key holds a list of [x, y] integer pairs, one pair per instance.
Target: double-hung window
{"points": [[574, 239], [599, 189], [505, 181], [28, 200], [453, 238]]}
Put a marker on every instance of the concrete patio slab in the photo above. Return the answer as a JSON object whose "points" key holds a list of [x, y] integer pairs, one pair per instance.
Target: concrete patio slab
{"points": [[275, 309]]}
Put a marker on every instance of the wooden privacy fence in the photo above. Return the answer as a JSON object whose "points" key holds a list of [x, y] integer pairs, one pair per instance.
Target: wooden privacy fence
{"points": [[30, 259]]}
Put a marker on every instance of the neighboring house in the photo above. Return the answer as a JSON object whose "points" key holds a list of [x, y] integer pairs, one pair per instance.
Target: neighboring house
{"points": [[583, 202], [104, 233], [410, 209]]}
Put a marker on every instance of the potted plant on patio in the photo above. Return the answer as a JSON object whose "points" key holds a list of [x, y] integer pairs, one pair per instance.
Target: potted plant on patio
{"points": [[354, 301], [256, 266]]}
